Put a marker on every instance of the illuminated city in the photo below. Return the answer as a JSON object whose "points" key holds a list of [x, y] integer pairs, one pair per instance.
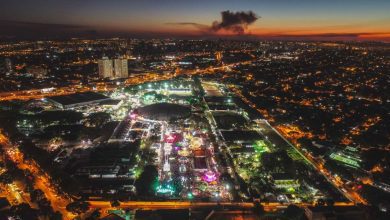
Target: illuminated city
{"points": [[187, 120]]}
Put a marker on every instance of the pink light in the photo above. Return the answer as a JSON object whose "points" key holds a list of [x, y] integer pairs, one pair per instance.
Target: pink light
{"points": [[133, 115], [169, 139], [209, 176]]}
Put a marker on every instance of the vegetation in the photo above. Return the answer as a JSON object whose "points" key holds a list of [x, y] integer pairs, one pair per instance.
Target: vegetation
{"points": [[147, 182]]}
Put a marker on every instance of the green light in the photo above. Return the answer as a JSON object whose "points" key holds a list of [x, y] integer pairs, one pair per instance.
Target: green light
{"points": [[260, 146], [291, 189], [165, 189], [189, 195]]}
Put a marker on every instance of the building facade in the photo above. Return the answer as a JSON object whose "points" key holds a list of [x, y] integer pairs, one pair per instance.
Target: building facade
{"points": [[120, 68], [105, 68], [112, 69]]}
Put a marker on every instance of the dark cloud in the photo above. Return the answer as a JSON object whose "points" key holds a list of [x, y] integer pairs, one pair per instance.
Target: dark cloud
{"points": [[237, 22]]}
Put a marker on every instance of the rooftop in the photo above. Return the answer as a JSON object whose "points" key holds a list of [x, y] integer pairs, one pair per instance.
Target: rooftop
{"points": [[78, 98], [164, 111]]}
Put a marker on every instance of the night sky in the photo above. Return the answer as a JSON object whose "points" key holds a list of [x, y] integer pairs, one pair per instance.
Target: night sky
{"points": [[278, 19]]}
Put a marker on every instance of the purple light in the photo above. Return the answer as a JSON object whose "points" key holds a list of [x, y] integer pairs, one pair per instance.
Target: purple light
{"points": [[133, 115], [209, 176]]}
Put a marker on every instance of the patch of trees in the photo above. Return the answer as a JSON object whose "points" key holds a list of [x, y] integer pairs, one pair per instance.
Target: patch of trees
{"points": [[97, 119], [338, 169], [147, 182], [37, 196], [278, 162], [23, 211], [77, 207], [294, 212], [43, 158], [374, 195], [62, 117], [94, 215], [374, 156]]}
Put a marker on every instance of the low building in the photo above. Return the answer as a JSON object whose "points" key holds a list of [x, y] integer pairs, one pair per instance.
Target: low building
{"points": [[164, 111], [102, 171], [111, 103], [348, 157], [285, 181], [78, 99]]}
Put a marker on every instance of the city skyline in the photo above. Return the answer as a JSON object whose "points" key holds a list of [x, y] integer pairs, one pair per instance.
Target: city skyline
{"points": [[193, 110], [285, 20]]}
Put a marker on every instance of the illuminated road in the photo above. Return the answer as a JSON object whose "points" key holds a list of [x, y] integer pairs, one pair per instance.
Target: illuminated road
{"points": [[107, 86], [42, 181], [59, 203], [104, 205], [337, 183]]}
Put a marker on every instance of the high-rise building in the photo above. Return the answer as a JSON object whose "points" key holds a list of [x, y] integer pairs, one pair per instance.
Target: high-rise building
{"points": [[8, 65], [120, 68], [105, 68], [218, 56]]}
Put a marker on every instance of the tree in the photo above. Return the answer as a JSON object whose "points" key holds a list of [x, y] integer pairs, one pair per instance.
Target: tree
{"points": [[56, 216], [148, 155], [94, 215], [329, 202], [97, 119], [293, 212], [23, 211], [77, 207], [45, 207], [115, 203], [6, 178], [258, 209], [147, 181], [320, 202], [37, 195], [278, 162], [374, 195]]}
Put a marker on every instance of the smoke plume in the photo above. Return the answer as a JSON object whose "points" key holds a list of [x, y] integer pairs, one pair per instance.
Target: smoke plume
{"points": [[236, 22]]}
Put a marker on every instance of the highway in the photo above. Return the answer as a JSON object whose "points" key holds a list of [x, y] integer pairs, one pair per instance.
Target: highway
{"points": [[149, 205], [107, 86]]}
